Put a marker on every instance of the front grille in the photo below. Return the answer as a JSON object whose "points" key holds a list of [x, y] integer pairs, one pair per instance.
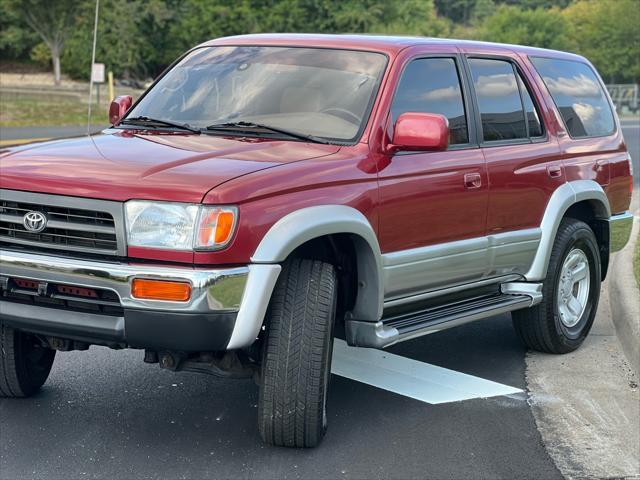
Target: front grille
{"points": [[68, 228]]}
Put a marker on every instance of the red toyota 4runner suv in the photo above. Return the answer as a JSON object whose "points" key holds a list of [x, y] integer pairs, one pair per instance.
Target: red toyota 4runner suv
{"points": [[270, 192]]}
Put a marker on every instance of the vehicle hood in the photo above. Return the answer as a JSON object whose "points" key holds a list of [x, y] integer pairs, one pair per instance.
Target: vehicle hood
{"points": [[125, 164]]}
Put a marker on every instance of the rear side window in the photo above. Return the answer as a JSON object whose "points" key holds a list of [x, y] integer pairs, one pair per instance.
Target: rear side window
{"points": [[499, 101], [432, 85], [578, 95]]}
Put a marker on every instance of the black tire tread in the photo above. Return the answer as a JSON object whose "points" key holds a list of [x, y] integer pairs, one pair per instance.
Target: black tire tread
{"points": [[299, 327], [535, 326], [15, 379]]}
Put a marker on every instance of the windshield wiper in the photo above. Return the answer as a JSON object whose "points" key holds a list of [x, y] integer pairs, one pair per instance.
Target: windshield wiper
{"points": [[149, 122], [241, 126]]}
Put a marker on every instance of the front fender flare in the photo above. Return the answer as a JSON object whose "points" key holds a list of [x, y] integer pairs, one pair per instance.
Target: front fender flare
{"points": [[301, 226]]}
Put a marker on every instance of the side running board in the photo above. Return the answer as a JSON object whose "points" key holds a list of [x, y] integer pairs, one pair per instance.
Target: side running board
{"points": [[388, 331]]}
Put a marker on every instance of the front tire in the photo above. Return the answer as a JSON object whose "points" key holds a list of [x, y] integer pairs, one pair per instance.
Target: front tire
{"points": [[24, 363], [571, 290], [296, 360]]}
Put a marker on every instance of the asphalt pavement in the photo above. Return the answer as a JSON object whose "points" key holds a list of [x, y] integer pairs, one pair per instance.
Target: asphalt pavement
{"points": [[106, 414]]}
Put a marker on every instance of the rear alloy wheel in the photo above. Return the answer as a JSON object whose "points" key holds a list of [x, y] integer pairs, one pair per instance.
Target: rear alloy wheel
{"points": [[296, 358], [24, 363], [571, 290]]}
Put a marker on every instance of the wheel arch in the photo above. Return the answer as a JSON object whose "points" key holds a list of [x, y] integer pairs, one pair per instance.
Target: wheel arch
{"points": [[581, 199], [312, 226]]}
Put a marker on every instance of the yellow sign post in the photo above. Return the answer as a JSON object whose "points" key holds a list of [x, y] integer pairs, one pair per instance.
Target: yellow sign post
{"points": [[110, 82]]}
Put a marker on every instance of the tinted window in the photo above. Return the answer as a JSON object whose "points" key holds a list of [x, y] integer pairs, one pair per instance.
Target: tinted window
{"points": [[432, 85], [498, 99], [578, 95], [533, 118]]}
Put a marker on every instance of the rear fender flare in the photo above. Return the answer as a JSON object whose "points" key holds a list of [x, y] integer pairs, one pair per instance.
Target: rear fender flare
{"points": [[562, 199]]}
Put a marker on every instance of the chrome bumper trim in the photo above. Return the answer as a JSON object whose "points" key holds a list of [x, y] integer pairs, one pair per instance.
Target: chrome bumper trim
{"points": [[620, 230], [213, 290]]}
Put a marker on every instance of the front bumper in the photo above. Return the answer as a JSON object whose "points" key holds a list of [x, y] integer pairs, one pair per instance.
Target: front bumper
{"points": [[620, 227], [225, 311]]}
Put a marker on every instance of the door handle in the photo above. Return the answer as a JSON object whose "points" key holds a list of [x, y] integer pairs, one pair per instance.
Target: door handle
{"points": [[472, 181], [554, 171]]}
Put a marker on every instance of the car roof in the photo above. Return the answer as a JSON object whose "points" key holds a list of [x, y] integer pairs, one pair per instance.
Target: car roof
{"points": [[377, 43]]}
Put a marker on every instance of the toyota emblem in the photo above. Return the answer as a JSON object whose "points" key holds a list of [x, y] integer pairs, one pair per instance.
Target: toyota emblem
{"points": [[34, 221]]}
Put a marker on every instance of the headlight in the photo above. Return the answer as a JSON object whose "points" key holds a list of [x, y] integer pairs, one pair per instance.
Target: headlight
{"points": [[179, 226]]}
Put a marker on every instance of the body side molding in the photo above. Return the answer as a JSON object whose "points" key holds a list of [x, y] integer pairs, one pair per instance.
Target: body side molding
{"points": [[309, 223], [417, 272], [562, 199]]}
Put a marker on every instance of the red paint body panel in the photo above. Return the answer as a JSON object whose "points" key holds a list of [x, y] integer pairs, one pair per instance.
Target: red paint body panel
{"points": [[424, 201], [121, 165], [266, 196], [411, 199]]}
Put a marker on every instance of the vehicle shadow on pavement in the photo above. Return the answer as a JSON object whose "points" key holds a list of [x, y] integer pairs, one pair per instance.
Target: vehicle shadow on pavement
{"points": [[104, 414]]}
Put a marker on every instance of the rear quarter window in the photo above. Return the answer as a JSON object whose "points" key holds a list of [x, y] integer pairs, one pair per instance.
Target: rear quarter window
{"points": [[579, 96]]}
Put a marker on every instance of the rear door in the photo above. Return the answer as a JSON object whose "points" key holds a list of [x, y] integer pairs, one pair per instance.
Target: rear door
{"points": [[523, 157]]}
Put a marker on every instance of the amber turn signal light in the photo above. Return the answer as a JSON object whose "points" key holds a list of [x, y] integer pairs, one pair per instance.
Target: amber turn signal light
{"points": [[160, 290], [216, 227]]}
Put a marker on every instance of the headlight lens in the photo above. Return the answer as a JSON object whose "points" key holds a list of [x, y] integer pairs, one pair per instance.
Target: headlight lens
{"points": [[179, 226]]}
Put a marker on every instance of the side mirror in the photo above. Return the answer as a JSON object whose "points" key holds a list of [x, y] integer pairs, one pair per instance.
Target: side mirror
{"points": [[118, 108], [420, 131]]}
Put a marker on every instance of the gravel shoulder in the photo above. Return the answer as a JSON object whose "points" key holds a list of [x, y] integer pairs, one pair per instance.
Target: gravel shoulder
{"points": [[586, 404]]}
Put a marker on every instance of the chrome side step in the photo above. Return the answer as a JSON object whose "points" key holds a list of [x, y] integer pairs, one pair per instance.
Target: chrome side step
{"points": [[512, 296]]}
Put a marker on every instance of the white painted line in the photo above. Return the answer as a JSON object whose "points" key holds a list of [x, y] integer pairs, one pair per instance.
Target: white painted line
{"points": [[421, 381]]}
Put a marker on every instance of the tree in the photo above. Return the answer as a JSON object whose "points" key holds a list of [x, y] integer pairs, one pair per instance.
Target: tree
{"points": [[133, 38], [16, 37], [538, 27], [52, 20], [458, 11], [412, 17], [607, 33]]}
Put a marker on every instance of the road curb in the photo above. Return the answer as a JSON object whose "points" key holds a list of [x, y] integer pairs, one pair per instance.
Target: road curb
{"points": [[625, 300]]}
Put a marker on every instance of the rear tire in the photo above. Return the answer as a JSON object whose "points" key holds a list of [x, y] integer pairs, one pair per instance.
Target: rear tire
{"points": [[571, 290], [24, 363], [296, 359]]}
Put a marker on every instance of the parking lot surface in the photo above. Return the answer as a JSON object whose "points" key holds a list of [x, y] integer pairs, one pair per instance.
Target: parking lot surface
{"points": [[105, 414]]}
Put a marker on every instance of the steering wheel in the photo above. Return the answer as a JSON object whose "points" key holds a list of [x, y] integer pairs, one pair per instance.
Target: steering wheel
{"points": [[344, 113]]}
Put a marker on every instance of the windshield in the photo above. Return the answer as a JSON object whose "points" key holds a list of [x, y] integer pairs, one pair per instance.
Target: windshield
{"points": [[312, 91]]}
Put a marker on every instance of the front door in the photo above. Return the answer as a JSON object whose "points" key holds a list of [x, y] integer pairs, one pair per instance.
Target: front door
{"points": [[433, 204]]}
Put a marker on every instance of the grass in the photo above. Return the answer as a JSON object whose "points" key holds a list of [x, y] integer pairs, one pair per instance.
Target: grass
{"points": [[51, 110], [636, 261]]}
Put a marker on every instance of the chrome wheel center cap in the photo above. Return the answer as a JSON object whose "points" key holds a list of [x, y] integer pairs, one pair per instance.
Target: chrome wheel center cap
{"points": [[573, 288]]}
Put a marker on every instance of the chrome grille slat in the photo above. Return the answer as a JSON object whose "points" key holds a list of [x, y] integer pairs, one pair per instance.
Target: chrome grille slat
{"points": [[62, 225], [71, 248], [56, 214], [74, 224], [57, 235]]}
